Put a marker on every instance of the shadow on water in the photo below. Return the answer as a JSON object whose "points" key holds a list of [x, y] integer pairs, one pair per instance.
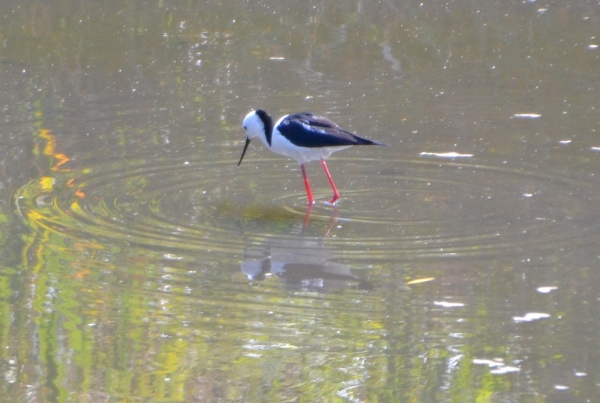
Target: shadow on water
{"points": [[300, 261]]}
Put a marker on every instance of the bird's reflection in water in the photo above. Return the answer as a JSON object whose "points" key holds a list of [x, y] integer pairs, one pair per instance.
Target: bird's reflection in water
{"points": [[300, 261]]}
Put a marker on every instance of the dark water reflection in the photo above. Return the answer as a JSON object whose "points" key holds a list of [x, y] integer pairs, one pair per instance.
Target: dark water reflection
{"points": [[138, 262]]}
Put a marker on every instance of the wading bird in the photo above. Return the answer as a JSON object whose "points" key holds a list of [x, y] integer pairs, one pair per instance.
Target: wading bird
{"points": [[304, 137]]}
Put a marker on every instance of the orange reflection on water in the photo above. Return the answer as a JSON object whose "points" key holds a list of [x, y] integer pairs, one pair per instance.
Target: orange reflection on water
{"points": [[50, 150]]}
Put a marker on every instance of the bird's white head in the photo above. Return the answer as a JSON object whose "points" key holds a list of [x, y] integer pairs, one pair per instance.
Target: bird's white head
{"points": [[253, 125], [257, 124]]}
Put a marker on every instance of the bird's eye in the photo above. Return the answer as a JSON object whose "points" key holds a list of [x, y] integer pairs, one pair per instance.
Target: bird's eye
{"points": [[245, 128]]}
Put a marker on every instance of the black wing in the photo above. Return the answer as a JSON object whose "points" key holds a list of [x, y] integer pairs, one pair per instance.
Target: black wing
{"points": [[307, 130]]}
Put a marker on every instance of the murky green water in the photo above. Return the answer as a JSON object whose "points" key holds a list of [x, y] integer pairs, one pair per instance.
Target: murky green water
{"points": [[138, 262]]}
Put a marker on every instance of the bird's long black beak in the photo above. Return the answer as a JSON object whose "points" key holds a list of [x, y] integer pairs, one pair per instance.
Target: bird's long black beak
{"points": [[244, 152]]}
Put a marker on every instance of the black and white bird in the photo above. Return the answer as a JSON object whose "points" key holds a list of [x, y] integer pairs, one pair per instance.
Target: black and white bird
{"points": [[304, 137]]}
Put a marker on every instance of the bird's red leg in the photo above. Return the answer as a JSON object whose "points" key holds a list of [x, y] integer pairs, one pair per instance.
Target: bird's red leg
{"points": [[307, 185], [336, 194]]}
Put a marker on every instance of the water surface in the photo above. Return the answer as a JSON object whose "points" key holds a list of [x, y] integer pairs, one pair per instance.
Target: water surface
{"points": [[139, 262]]}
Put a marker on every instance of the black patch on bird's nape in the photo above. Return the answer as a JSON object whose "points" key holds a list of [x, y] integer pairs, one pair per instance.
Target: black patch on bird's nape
{"points": [[267, 122]]}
